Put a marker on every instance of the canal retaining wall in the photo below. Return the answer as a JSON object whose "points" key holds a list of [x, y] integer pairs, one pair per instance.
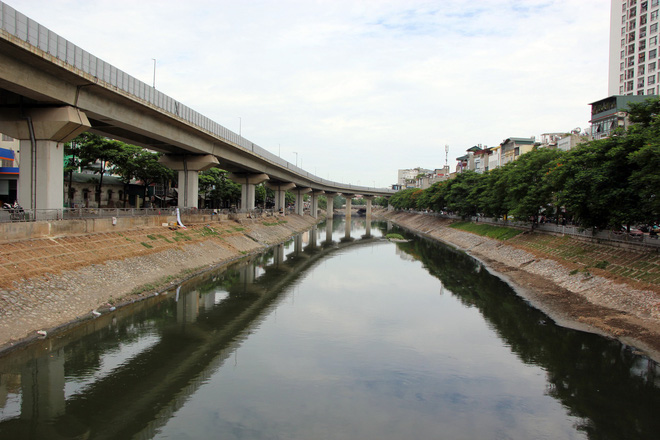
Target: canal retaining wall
{"points": [[61, 278], [553, 273]]}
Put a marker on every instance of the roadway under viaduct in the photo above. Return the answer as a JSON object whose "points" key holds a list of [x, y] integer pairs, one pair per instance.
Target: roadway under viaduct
{"points": [[52, 90]]}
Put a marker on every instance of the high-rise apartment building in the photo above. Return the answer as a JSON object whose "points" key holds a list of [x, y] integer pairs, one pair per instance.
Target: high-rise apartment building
{"points": [[634, 48]]}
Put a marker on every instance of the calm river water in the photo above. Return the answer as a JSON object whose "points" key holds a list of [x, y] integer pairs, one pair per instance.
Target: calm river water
{"points": [[357, 338]]}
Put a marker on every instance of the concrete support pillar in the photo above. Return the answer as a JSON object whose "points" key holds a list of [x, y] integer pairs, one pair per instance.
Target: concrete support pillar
{"points": [[248, 182], [189, 167], [330, 209], [42, 133], [369, 199], [280, 190], [41, 178], [349, 198], [299, 193], [188, 189], [315, 203]]}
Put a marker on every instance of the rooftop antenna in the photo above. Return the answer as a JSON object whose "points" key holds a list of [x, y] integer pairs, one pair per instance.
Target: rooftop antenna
{"points": [[446, 156]]}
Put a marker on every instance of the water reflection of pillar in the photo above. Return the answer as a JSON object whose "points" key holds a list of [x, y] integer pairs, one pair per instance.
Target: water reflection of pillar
{"points": [[187, 307], [297, 244], [278, 255], [246, 274], [328, 231], [313, 237], [42, 388]]}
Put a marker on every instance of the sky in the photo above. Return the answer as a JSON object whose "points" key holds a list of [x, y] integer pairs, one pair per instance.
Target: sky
{"points": [[354, 90]]}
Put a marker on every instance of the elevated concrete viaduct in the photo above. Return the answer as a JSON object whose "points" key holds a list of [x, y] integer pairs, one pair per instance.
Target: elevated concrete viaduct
{"points": [[41, 70]]}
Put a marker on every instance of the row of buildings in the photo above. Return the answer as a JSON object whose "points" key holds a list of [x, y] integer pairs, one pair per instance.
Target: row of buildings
{"points": [[634, 75]]}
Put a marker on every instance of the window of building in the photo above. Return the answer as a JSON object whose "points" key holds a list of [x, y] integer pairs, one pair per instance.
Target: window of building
{"points": [[631, 49], [7, 138], [621, 67], [621, 78], [623, 7], [643, 6], [650, 92], [620, 90], [631, 61], [642, 32], [629, 86], [641, 57], [623, 20], [632, 2], [623, 43], [623, 31], [651, 67], [642, 20], [653, 54], [640, 83], [642, 45], [655, 3], [640, 92], [632, 12], [653, 41], [632, 25], [640, 70], [653, 28], [629, 73], [654, 15], [650, 80]]}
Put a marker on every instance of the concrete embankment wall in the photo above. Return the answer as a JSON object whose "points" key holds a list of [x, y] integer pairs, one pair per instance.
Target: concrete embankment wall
{"points": [[47, 282]]}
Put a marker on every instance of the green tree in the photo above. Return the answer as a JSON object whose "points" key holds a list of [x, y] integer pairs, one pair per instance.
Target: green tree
{"points": [[93, 149], [528, 191], [218, 190]]}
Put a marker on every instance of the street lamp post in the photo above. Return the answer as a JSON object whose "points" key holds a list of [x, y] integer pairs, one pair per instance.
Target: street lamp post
{"points": [[154, 83], [296, 158]]}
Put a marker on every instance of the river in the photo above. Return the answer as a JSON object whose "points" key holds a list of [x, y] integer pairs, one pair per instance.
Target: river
{"points": [[355, 337]]}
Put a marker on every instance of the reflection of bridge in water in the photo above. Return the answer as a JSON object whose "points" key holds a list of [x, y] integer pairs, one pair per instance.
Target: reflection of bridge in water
{"points": [[197, 333]]}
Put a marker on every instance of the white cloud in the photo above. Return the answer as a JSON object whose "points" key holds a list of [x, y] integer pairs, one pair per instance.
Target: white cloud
{"points": [[358, 89]]}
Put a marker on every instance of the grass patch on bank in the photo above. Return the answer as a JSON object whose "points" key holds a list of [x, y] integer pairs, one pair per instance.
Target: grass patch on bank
{"points": [[497, 232]]}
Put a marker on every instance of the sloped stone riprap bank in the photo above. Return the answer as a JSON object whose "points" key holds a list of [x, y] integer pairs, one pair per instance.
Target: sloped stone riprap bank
{"points": [[616, 303], [47, 283]]}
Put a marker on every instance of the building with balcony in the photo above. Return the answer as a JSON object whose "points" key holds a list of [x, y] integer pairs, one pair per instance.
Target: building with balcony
{"points": [[633, 63]]}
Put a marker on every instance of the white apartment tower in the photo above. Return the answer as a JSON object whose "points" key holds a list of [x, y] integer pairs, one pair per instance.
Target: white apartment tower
{"points": [[634, 48]]}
